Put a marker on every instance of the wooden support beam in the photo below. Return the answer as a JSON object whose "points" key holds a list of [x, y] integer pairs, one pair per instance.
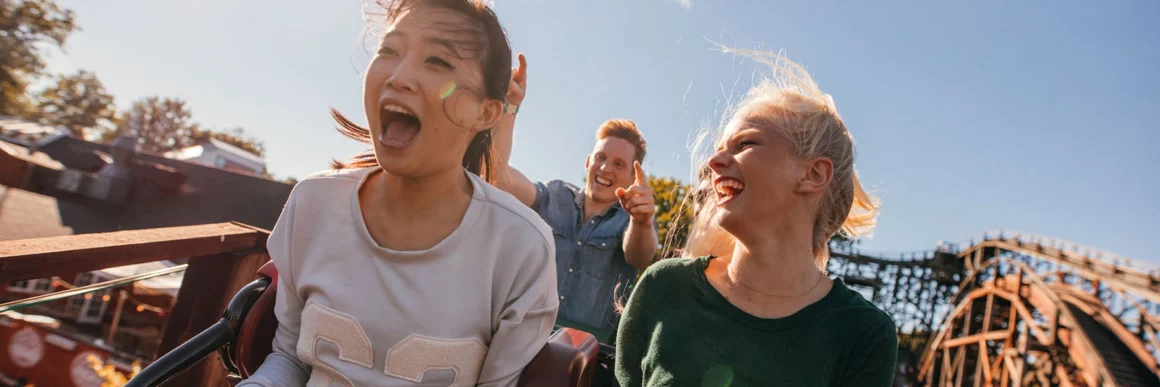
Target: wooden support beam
{"points": [[1053, 317], [928, 377], [960, 362], [1004, 372], [981, 362], [1026, 315], [26, 259], [1005, 356], [947, 371], [1151, 334], [980, 365], [978, 258], [1019, 285], [987, 313], [967, 318], [1012, 371], [996, 367], [1064, 377], [1042, 378], [960, 365], [985, 365], [1021, 353], [995, 275], [976, 338]]}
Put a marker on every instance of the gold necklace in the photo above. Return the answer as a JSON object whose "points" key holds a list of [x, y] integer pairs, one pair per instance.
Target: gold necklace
{"points": [[737, 279]]}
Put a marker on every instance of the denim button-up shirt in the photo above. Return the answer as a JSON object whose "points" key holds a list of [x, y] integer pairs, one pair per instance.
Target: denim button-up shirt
{"points": [[590, 267]]}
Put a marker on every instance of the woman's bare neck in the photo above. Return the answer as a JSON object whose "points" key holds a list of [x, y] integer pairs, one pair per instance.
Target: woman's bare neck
{"points": [[771, 280], [409, 214]]}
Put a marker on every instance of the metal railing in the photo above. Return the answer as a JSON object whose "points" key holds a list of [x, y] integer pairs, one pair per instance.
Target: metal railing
{"points": [[82, 290]]}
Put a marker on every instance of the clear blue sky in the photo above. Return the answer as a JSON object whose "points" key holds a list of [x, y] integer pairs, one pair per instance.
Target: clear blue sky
{"points": [[992, 114]]}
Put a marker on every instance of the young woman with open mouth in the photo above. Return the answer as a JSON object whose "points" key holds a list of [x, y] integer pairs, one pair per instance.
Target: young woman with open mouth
{"points": [[403, 266], [764, 313]]}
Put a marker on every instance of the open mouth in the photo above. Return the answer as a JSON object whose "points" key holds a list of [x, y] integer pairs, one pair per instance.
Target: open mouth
{"points": [[602, 181], [400, 126], [728, 188]]}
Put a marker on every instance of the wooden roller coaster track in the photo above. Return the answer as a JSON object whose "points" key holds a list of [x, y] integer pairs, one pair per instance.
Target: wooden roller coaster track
{"points": [[1016, 311]]}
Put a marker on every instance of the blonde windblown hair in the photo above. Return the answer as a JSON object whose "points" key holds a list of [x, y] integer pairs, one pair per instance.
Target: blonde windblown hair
{"points": [[790, 102]]}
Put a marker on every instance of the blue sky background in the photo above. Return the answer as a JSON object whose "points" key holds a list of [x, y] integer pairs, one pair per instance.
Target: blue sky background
{"points": [[968, 117]]}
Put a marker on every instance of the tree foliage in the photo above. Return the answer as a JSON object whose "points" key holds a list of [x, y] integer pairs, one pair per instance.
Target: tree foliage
{"points": [[672, 216], [166, 124], [77, 102], [27, 28], [160, 125]]}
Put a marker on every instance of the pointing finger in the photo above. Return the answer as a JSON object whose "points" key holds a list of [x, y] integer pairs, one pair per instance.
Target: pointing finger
{"points": [[640, 178]]}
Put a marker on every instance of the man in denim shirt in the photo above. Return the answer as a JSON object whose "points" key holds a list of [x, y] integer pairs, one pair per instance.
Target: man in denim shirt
{"points": [[605, 232]]}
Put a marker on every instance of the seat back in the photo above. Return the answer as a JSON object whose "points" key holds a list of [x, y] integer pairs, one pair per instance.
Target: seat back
{"points": [[256, 334], [568, 359]]}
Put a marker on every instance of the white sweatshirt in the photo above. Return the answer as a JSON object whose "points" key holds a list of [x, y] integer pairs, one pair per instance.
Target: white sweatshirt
{"points": [[473, 310]]}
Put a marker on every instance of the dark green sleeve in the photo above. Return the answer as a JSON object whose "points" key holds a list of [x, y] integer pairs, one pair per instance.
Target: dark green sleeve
{"points": [[632, 337], [876, 361]]}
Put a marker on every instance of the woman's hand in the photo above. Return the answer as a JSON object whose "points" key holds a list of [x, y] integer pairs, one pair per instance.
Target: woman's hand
{"points": [[518, 86]]}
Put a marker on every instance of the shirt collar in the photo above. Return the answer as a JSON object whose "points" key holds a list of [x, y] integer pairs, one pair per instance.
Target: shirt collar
{"points": [[608, 212]]}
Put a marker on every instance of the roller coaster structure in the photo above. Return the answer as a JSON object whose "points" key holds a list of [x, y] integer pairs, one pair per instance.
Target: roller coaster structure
{"points": [[1015, 310]]}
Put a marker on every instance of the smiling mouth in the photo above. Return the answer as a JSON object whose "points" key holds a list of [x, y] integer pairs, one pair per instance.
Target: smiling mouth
{"points": [[400, 126], [728, 188], [602, 181]]}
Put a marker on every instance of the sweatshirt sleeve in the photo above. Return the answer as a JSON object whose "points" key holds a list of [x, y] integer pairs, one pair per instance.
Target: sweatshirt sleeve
{"points": [[282, 367], [633, 334], [874, 364], [527, 319]]}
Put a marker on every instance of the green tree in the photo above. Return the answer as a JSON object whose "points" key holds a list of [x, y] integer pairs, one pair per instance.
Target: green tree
{"points": [[27, 28], [77, 102], [673, 215], [166, 124], [236, 137], [160, 125]]}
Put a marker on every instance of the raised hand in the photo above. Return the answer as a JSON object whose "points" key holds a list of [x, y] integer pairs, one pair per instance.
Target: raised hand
{"points": [[518, 86], [638, 199]]}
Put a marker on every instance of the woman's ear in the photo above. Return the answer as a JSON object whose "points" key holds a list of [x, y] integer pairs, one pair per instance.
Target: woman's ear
{"points": [[818, 173], [490, 111]]}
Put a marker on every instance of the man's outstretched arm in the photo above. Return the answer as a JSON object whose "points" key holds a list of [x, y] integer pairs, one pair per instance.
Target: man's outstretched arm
{"points": [[507, 178]]}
